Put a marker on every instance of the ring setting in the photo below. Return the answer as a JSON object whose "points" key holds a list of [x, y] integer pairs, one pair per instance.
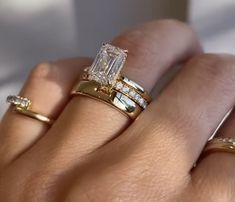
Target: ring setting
{"points": [[103, 81], [22, 106], [19, 101], [220, 144]]}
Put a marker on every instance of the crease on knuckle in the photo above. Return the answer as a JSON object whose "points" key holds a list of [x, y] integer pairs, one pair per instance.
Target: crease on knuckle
{"points": [[153, 31], [41, 70], [219, 70], [47, 71], [134, 40], [173, 24]]}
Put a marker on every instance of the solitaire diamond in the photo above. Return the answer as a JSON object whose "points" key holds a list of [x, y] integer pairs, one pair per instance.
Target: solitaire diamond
{"points": [[108, 64]]}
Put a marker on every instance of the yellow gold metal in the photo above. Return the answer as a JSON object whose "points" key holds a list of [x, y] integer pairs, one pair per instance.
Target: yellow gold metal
{"points": [[22, 106], [226, 144], [131, 84], [34, 115], [103, 81], [114, 98]]}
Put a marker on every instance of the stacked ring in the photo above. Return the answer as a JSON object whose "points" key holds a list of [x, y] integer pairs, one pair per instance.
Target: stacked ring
{"points": [[103, 81]]}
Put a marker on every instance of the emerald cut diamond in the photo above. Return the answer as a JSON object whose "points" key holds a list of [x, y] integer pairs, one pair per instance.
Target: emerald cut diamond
{"points": [[107, 64]]}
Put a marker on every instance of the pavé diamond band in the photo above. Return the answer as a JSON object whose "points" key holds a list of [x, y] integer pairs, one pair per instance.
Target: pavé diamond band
{"points": [[133, 91], [226, 144], [22, 106], [103, 81]]}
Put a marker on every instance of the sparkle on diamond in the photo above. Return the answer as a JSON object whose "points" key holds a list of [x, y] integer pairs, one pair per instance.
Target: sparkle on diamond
{"points": [[108, 64]]}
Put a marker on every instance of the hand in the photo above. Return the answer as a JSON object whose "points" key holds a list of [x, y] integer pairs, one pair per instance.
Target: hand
{"points": [[94, 153]]}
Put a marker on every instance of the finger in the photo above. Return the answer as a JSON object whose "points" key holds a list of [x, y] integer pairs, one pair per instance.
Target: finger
{"points": [[219, 166], [162, 146], [87, 124], [48, 87], [179, 123]]}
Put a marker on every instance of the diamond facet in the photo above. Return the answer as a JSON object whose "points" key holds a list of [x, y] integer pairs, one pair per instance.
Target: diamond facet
{"points": [[137, 97], [108, 64], [145, 104], [119, 85], [132, 93], [141, 101], [125, 89], [19, 101]]}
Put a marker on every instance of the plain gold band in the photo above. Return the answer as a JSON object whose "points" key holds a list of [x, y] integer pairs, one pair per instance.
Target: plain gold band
{"points": [[113, 98], [34, 115]]}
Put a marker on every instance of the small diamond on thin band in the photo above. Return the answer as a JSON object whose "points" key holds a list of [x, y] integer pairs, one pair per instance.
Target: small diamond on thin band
{"points": [[19, 101], [119, 85], [125, 89], [130, 92]]}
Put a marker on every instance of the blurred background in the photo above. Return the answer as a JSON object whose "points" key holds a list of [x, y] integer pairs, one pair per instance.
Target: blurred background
{"points": [[35, 31]]}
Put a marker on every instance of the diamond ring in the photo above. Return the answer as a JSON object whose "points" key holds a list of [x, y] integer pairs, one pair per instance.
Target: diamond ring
{"points": [[22, 106], [103, 81], [226, 144]]}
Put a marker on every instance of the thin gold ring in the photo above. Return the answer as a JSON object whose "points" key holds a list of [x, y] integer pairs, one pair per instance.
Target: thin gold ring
{"points": [[34, 115], [226, 144], [22, 106]]}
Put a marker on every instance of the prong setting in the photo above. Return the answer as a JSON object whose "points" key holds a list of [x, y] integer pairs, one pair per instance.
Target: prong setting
{"points": [[19, 101]]}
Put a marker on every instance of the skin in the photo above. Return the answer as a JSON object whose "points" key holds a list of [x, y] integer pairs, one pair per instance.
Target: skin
{"points": [[95, 153]]}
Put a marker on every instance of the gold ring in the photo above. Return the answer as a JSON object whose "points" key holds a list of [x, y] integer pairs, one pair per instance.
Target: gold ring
{"points": [[22, 106], [226, 144], [103, 81], [114, 98]]}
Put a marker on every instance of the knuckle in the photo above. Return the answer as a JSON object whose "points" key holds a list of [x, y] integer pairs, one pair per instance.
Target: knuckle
{"points": [[41, 71], [215, 67], [133, 40], [173, 24], [144, 39]]}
